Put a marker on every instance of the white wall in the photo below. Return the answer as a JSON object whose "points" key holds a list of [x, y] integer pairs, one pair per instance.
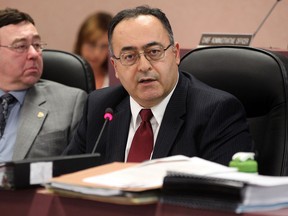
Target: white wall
{"points": [[58, 20]]}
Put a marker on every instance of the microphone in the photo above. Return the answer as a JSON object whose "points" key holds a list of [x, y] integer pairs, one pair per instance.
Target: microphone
{"points": [[108, 116]]}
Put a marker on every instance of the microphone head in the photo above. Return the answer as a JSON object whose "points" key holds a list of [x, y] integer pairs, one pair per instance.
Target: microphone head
{"points": [[108, 114]]}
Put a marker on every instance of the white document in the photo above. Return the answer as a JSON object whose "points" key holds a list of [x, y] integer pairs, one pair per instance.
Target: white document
{"points": [[254, 179], [150, 174], [87, 190]]}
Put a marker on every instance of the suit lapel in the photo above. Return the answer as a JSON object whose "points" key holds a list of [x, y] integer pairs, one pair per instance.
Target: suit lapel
{"points": [[173, 120], [118, 131], [31, 119]]}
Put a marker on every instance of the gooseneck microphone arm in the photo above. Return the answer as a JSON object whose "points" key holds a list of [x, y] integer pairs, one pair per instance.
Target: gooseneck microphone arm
{"points": [[108, 116], [265, 18]]}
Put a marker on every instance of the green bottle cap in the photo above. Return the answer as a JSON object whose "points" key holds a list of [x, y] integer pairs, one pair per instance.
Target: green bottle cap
{"points": [[244, 162], [249, 166]]}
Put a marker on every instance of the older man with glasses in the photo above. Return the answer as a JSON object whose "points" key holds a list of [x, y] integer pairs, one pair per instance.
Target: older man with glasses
{"points": [[158, 110], [37, 117]]}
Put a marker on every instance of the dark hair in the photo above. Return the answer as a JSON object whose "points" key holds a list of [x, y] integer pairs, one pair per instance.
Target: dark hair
{"points": [[135, 12], [93, 23], [13, 16]]}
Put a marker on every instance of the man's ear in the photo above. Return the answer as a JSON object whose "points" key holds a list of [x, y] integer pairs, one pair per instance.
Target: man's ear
{"points": [[176, 51], [114, 63]]}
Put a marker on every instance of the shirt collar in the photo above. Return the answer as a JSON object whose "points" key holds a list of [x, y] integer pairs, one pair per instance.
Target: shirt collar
{"points": [[19, 95], [158, 110]]}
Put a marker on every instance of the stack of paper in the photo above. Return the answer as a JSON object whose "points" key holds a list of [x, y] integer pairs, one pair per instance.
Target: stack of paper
{"points": [[139, 181], [181, 180], [236, 191]]}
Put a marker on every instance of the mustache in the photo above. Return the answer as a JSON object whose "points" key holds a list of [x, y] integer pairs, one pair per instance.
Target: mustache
{"points": [[146, 76]]}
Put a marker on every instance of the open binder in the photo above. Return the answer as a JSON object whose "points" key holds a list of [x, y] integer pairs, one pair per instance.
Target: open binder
{"points": [[201, 192], [225, 193]]}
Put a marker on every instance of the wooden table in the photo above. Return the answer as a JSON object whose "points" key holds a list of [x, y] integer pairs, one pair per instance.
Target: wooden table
{"points": [[30, 202]]}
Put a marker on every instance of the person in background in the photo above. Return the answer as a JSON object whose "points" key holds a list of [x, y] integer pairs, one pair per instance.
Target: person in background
{"points": [[92, 45], [170, 110], [37, 117]]}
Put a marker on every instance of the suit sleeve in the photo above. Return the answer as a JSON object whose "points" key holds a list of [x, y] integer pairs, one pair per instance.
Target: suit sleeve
{"points": [[77, 112], [77, 144], [227, 132]]}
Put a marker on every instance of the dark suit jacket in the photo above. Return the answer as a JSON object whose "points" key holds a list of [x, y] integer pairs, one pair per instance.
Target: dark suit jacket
{"points": [[198, 121]]}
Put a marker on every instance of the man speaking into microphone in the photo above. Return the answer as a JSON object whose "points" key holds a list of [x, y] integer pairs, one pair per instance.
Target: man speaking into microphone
{"points": [[158, 111]]}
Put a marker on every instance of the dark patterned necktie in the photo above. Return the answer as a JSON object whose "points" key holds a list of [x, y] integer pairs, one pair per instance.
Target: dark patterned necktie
{"points": [[5, 100], [142, 143]]}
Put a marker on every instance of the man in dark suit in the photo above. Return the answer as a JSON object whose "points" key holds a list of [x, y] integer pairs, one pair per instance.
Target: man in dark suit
{"points": [[189, 117]]}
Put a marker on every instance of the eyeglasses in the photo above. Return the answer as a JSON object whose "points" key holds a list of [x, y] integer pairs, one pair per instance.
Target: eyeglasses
{"points": [[24, 47], [152, 53]]}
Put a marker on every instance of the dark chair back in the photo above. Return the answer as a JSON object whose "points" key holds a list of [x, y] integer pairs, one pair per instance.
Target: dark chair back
{"points": [[68, 69], [258, 78]]}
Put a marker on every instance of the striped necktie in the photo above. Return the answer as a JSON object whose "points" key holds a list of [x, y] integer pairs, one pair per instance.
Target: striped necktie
{"points": [[5, 100]]}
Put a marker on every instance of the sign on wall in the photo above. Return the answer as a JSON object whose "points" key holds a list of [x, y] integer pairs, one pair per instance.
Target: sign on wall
{"points": [[211, 39]]}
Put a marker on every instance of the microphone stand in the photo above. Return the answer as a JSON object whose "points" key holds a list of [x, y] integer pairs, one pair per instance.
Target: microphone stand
{"points": [[108, 117], [99, 137], [265, 18]]}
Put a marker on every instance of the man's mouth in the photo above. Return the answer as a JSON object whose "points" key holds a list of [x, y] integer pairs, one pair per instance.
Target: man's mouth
{"points": [[146, 80]]}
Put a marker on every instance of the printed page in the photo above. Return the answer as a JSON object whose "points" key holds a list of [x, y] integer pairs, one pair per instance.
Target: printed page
{"points": [[149, 175]]}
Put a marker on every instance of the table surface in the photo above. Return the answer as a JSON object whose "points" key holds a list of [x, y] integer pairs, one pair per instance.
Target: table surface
{"points": [[29, 202]]}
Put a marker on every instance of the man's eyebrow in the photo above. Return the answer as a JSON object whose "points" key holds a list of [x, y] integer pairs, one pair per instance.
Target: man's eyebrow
{"points": [[16, 40], [35, 37], [128, 48], [154, 43]]}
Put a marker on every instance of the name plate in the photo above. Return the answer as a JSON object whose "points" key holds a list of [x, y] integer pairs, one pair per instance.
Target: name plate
{"points": [[210, 39]]}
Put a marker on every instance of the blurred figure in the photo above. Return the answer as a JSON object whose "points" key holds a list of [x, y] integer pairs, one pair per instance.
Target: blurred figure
{"points": [[92, 44]]}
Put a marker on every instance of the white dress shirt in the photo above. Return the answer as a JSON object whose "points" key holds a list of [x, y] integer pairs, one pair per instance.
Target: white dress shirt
{"points": [[158, 113]]}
